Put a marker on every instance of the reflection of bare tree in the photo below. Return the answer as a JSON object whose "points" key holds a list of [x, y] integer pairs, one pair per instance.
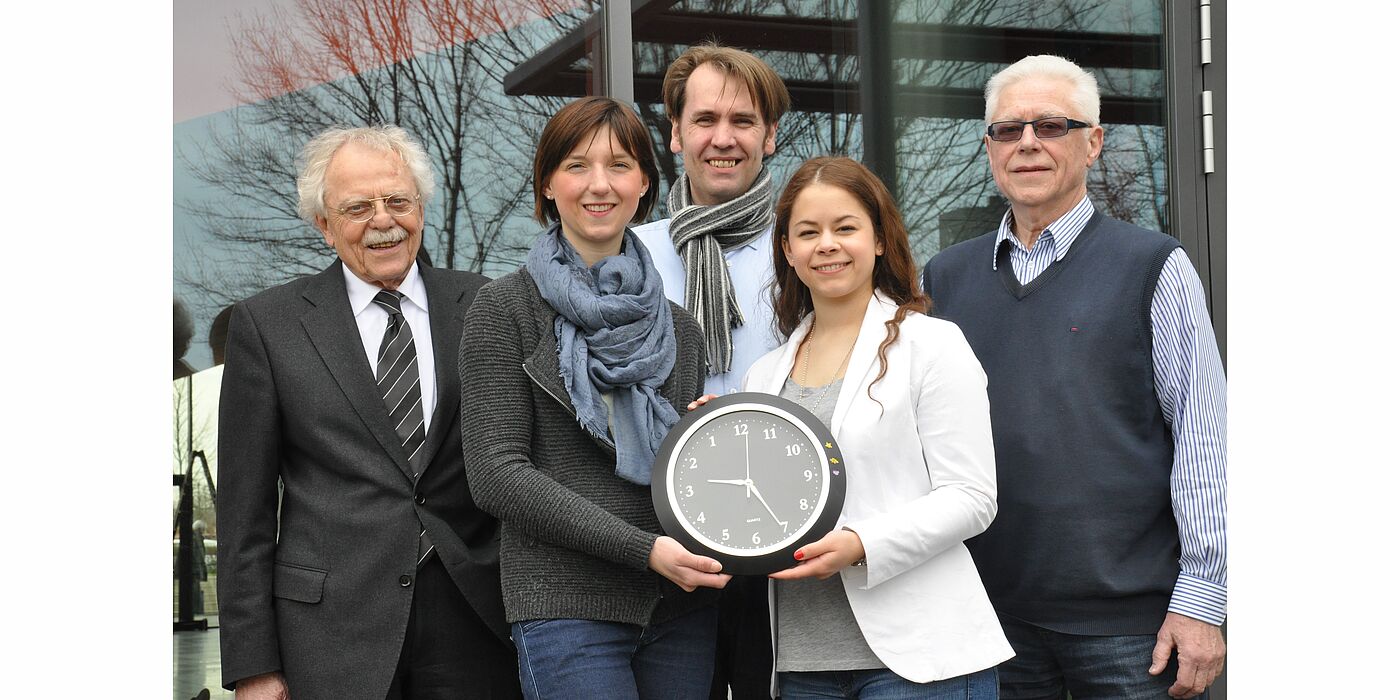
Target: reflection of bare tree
{"points": [[1129, 181], [940, 165], [431, 66], [940, 162], [436, 67]]}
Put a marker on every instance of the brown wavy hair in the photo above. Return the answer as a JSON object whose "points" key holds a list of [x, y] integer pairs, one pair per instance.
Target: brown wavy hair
{"points": [[895, 274]]}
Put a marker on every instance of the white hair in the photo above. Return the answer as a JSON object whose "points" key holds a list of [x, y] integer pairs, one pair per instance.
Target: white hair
{"points": [[1084, 92], [316, 156]]}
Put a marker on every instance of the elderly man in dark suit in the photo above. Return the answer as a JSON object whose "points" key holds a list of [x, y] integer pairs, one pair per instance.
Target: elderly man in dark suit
{"points": [[370, 573]]}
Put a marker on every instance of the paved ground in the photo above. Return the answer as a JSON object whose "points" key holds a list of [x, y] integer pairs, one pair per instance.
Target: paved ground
{"points": [[197, 665]]}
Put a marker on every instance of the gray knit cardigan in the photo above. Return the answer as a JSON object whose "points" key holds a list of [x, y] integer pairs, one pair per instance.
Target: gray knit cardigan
{"points": [[575, 538]]}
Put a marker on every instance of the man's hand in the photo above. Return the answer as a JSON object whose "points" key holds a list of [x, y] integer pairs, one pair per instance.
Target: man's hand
{"points": [[828, 555], [267, 686], [689, 571], [1200, 654]]}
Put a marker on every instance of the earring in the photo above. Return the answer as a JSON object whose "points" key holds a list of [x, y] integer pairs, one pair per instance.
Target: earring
{"points": [[550, 197]]}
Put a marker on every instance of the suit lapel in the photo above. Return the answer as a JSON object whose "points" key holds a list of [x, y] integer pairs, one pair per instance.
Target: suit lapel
{"points": [[446, 308], [331, 326], [865, 359]]}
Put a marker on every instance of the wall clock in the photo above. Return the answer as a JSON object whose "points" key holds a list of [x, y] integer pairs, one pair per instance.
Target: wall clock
{"points": [[748, 479]]}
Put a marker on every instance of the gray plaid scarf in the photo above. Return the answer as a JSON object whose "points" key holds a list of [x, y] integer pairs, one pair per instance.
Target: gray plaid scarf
{"points": [[701, 235]]}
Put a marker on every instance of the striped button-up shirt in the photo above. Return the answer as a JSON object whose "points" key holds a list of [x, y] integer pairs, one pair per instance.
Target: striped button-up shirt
{"points": [[1190, 384]]}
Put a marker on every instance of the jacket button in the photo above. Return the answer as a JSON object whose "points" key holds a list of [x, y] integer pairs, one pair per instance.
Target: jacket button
{"points": [[405, 580], [419, 499]]}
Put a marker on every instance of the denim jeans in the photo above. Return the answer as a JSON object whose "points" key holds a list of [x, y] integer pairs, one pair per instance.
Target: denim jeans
{"points": [[884, 684], [566, 658], [1048, 664]]}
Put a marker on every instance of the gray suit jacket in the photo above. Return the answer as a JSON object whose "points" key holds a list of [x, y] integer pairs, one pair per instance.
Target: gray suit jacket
{"points": [[321, 589]]}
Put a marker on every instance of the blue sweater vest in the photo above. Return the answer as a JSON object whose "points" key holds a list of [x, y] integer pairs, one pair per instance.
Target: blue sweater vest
{"points": [[1084, 541]]}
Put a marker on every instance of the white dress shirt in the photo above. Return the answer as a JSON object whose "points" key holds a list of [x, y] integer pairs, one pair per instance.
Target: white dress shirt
{"points": [[372, 319], [750, 270]]}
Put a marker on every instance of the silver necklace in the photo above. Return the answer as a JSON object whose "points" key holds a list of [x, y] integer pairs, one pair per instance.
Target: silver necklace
{"points": [[803, 391]]}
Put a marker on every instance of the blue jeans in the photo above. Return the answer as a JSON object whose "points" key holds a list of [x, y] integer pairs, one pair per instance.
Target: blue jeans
{"points": [[884, 684], [566, 658], [1048, 664]]}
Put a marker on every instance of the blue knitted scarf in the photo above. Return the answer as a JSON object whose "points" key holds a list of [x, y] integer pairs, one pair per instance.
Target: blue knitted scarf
{"points": [[615, 335]]}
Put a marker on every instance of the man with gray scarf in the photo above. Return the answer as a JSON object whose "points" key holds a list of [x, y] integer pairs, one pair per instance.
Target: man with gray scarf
{"points": [[715, 259]]}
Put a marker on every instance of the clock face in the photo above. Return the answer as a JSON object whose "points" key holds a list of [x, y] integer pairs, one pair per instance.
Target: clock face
{"points": [[748, 479]]}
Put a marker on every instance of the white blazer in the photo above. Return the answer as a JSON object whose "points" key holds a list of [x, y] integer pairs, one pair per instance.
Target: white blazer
{"points": [[920, 479]]}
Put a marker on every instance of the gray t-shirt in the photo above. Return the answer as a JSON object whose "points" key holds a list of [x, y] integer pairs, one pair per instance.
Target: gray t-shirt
{"points": [[816, 629]]}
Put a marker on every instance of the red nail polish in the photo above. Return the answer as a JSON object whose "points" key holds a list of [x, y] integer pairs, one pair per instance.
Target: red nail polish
{"points": [[797, 556]]}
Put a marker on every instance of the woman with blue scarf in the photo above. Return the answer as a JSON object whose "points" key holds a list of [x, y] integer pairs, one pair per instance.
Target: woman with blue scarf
{"points": [[572, 371]]}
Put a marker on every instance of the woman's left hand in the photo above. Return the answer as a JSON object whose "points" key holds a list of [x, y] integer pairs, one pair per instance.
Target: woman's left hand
{"points": [[828, 555], [700, 401]]}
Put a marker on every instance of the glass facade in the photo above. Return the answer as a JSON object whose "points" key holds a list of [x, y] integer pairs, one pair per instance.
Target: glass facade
{"points": [[896, 84], [899, 86]]}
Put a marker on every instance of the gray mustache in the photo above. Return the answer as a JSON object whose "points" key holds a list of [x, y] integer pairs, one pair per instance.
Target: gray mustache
{"points": [[393, 235]]}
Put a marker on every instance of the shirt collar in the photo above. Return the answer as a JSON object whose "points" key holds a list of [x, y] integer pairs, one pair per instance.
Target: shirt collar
{"points": [[362, 293], [1061, 232], [753, 243]]}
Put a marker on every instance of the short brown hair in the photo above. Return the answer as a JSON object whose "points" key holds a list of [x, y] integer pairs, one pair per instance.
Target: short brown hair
{"points": [[577, 120], [769, 93]]}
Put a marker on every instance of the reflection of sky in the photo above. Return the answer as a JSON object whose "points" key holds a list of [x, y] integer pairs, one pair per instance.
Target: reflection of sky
{"points": [[203, 53], [203, 58], [203, 70]]}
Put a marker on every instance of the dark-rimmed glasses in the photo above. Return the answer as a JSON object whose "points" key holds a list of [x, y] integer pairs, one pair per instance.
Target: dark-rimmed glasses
{"points": [[1047, 128], [362, 210]]}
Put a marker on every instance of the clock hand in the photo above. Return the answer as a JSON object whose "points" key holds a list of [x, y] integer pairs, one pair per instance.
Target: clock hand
{"points": [[736, 482], [747, 480], [754, 489]]}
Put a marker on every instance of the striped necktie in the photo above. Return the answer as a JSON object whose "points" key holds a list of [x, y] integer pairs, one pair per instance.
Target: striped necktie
{"points": [[396, 373]]}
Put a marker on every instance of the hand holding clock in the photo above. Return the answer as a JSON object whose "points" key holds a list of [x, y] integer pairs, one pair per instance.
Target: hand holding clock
{"points": [[689, 571], [701, 401], [828, 555]]}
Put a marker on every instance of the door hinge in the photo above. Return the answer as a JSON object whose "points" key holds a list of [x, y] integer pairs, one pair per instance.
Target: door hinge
{"points": [[1208, 131], [1206, 31]]}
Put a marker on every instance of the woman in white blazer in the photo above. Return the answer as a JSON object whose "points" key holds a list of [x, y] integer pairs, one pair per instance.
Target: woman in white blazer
{"points": [[907, 401]]}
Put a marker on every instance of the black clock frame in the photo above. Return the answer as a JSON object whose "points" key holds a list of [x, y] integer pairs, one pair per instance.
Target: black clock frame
{"points": [[832, 462]]}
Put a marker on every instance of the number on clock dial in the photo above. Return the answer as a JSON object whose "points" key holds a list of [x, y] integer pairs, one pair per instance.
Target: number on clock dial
{"points": [[786, 474]]}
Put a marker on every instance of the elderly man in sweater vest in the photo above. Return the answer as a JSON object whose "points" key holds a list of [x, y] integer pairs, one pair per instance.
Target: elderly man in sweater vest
{"points": [[1107, 558]]}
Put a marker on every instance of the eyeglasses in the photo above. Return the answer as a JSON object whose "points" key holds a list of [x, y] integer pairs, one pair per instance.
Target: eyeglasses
{"points": [[1047, 128], [362, 210]]}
